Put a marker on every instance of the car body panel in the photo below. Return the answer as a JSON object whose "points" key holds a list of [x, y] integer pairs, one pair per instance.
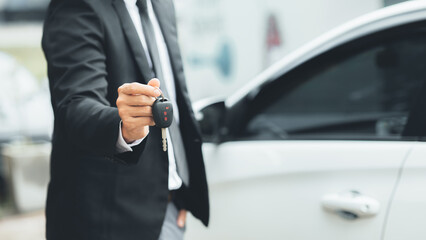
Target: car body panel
{"points": [[408, 213], [273, 189]]}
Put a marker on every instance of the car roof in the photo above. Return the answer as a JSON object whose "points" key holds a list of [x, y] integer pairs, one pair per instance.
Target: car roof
{"points": [[388, 17]]}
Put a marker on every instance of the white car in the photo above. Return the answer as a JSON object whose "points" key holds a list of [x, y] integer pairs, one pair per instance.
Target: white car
{"points": [[325, 144]]}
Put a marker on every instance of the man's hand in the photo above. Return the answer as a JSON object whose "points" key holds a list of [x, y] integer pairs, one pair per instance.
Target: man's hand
{"points": [[134, 105], [181, 218]]}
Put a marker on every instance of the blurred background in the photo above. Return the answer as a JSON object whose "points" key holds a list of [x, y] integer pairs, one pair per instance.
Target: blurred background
{"points": [[224, 44]]}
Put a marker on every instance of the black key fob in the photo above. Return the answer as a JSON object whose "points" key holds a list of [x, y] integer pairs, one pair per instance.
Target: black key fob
{"points": [[162, 111]]}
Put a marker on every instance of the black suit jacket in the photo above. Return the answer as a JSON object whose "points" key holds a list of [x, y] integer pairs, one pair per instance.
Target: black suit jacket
{"points": [[95, 193]]}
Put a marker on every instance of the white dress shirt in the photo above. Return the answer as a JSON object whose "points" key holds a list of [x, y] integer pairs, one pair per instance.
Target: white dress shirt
{"points": [[175, 182]]}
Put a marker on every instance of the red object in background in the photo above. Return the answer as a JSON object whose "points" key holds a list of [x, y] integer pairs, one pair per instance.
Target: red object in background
{"points": [[274, 42], [273, 34]]}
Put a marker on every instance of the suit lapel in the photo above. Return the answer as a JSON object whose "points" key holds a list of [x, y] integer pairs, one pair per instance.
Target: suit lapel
{"points": [[133, 39]]}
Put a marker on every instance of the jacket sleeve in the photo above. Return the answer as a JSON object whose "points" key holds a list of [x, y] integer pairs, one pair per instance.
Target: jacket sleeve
{"points": [[73, 43]]}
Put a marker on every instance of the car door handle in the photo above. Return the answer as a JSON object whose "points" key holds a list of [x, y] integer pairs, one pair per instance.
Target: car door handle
{"points": [[351, 205]]}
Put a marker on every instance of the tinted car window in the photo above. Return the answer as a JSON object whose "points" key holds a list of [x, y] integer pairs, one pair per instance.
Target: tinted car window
{"points": [[361, 90]]}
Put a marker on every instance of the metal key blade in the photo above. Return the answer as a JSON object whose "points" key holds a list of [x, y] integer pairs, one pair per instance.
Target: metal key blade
{"points": [[164, 137]]}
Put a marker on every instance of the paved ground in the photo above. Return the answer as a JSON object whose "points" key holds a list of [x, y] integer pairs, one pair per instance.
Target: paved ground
{"points": [[23, 227]]}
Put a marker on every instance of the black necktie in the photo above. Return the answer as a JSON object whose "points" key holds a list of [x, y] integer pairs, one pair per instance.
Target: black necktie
{"points": [[150, 39], [175, 134]]}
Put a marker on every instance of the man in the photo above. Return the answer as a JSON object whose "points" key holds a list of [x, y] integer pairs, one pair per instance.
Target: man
{"points": [[110, 178]]}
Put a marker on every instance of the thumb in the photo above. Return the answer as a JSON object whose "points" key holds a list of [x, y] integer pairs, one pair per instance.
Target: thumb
{"points": [[154, 83]]}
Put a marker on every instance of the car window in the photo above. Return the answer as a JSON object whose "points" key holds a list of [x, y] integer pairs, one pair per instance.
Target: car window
{"points": [[364, 89]]}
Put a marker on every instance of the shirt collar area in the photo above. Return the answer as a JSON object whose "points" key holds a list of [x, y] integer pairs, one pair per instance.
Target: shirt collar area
{"points": [[130, 2]]}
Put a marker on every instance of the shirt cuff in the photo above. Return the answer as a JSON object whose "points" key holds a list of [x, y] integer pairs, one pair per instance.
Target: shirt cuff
{"points": [[122, 146]]}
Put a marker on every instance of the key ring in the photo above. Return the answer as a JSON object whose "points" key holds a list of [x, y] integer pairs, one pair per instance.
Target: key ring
{"points": [[161, 95]]}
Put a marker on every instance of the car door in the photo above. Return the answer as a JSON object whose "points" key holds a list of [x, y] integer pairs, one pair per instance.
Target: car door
{"points": [[407, 214], [316, 152], [408, 208]]}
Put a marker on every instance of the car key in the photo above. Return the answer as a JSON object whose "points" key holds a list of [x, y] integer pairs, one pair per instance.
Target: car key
{"points": [[162, 112]]}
